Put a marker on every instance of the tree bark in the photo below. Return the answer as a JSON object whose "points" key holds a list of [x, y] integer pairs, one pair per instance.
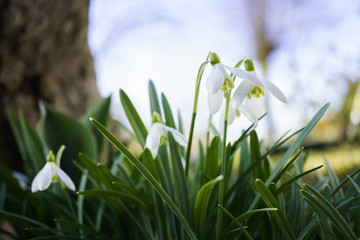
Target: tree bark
{"points": [[44, 56]]}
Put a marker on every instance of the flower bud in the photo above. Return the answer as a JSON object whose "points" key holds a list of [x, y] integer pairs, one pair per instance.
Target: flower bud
{"points": [[156, 118], [214, 59], [51, 156], [249, 65]]}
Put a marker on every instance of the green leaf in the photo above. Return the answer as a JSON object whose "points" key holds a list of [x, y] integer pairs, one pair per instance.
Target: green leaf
{"points": [[287, 184], [12, 185], [271, 202], [248, 214], [154, 101], [181, 190], [293, 147], [28, 142], [286, 167], [148, 176], [84, 228], [16, 129], [213, 158], [101, 112], [126, 197], [322, 206], [149, 163], [355, 184], [169, 119], [201, 205], [20, 220], [133, 118], [255, 155], [80, 202], [334, 181], [242, 228], [57, 129]]}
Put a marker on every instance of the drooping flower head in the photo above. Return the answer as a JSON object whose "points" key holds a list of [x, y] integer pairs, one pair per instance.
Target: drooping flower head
{"points": [[253, 93], [51, 172], [158, 135], [219, 82]]}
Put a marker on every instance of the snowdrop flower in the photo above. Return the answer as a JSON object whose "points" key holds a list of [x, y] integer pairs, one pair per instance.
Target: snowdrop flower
{"points": [[219, 82], [50, 173], [158, 135], [253, 93]]}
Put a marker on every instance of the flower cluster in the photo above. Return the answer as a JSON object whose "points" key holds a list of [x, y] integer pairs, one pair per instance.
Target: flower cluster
{"points": [[251, 90]]}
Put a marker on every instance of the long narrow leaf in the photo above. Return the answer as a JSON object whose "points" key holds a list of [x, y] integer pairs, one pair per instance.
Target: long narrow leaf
{"points": [[242, 228], [201, 206], [154, 101], [134, 119], [295, 145], [323, 204], [147, 175], [271, 202]]}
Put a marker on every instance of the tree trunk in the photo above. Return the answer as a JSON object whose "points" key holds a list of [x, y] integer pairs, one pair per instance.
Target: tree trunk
{"points": [[44, 55]]}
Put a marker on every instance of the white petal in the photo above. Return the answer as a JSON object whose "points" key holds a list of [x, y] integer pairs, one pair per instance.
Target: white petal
{"points": [[154, 152], [255, 106], [45, 177], [245, 75], [248, 115], [153, 137], [35, 183], [177, 135], [215, 101], [215, 79], [274, 90], [231, 117], [240, 93], [65, 178], [221, 68]]}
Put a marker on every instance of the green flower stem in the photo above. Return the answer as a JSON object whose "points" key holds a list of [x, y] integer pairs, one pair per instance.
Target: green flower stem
{"points": [[208, 132], [188, 150], [197, 90], [223, 169], [68, 200]]}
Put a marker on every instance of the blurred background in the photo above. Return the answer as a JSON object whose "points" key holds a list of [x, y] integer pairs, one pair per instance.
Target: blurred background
{"points": [[70, 53]]}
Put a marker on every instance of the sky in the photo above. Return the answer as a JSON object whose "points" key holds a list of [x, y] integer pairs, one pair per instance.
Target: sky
{"points": [[318, 48]]}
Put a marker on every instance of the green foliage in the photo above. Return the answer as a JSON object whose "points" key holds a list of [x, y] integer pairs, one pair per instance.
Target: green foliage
{"points": [[146, 196]]}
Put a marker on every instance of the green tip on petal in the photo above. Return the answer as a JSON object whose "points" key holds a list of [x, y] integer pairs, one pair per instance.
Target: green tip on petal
{"points": [[51, 156], [156, 118], [249, 65], [214, 59]]}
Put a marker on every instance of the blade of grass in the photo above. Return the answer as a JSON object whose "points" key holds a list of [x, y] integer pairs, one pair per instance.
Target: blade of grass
{"points": [[242, 228], [295, 145], [324, 205], [271, 202], [134, 119], [154, 101], [201, 206], [147, 175]]}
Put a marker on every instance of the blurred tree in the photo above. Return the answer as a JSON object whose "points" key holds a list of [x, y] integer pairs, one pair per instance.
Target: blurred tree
{"points": [[269, 20], [44, 55], [348, 130]]}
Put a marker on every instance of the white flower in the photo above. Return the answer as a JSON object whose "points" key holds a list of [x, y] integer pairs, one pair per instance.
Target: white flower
{"points": [[50, 173], [253, 93], [219, 82], [158, 135]]}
